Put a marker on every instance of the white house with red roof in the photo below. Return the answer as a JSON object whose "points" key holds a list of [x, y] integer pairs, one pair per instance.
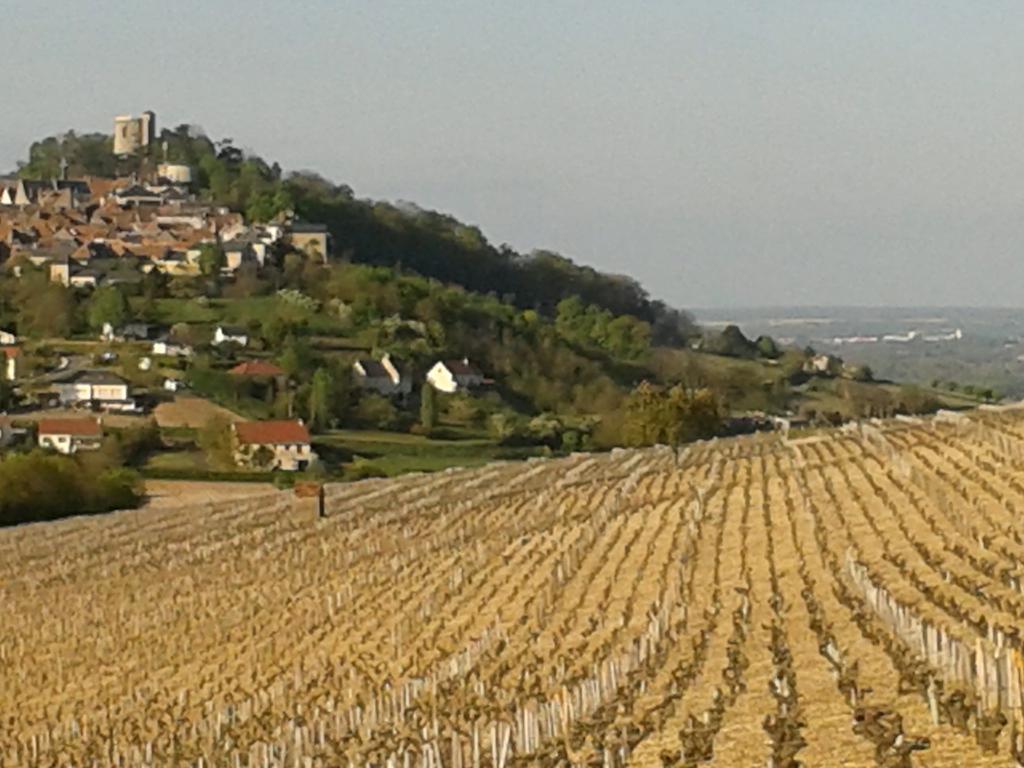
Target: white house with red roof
{"points": [[69, 436], [284, 444]]}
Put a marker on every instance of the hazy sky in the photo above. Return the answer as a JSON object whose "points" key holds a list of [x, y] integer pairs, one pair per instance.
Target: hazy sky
{"points": [[724, 153]]}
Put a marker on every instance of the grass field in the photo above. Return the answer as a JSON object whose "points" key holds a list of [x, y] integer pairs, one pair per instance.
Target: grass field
{"points": [[395, 453], [849, 599], [253, 310]]}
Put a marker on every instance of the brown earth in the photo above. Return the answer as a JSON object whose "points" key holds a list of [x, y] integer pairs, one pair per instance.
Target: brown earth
{"points": [[165, 494], [190, 411]]}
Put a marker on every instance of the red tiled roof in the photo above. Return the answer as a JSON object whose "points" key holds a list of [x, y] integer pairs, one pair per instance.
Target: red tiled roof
{"points": [[75, 427], [256, 368], [11, 351], [271, 432]]}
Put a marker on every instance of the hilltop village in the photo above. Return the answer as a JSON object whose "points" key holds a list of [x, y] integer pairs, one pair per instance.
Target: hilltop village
{"points": [[110, 240], [180, 307]]}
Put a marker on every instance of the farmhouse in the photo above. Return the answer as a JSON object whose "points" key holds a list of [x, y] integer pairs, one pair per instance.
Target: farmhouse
{"points": [[228, 334], [313, 239], [127, 332], [381, 376], [454, 376], [269, 445], [95, 387], [169, 348], [70, 435], [824, 365]]}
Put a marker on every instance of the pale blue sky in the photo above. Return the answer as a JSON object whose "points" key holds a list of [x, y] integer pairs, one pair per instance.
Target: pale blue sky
{"points": [[725, 153]]}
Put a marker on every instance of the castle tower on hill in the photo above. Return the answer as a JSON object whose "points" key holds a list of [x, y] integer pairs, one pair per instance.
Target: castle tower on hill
{"points": [[133, 133]]}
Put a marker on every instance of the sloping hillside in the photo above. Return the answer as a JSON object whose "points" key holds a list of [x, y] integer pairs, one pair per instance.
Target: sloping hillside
{"points": [[845, 599]]}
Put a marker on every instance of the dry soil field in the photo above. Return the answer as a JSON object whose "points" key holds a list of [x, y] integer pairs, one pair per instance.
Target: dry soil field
{"points": [[851, 600]]}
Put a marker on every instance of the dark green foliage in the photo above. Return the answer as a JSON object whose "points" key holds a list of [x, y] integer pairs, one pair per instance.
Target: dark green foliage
{"points": [[216, 441], [670, 417], [211, 259], [321, 400], [624, 337], [108, 305], [730, 342], [371, 232], [428, 407], [40, 486], [42, 308], [88, 154], [767, 348], [138, 442], [8, 397], [373, 411]]}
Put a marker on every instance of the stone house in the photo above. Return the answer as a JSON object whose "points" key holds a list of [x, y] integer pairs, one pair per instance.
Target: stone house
{"points": [[310, 238], [95, 387], [283, 444]]}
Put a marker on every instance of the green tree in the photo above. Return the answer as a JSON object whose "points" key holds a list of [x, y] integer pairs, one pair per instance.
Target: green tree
{"points": [[767, 348], [44, 309], [211, 259], [296, 358], [730, 342], [321, 393], [108, 305], [428, 407], [7, 397], [215, 440], [654, 415], [376, 412]]}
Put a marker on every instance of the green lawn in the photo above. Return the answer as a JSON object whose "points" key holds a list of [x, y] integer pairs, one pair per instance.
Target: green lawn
{"points": [[254, 309], [177, 460], [396, 452]]}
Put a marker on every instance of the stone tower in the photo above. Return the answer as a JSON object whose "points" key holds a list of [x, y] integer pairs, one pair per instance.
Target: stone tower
{"points": [[133, 133]]}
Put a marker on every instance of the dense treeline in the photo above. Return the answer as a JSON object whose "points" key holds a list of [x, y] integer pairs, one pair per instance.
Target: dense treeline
{"points": [[371, 232], [41, 486]]}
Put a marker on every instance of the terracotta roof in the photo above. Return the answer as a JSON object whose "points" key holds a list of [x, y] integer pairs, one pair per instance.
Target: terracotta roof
{"points": [[74, 427], [11, 351], [256, 368], [271, 432]]}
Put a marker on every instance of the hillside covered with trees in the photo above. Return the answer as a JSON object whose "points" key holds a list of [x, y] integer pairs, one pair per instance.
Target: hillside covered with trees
{"points": [[377, 233], [578, 358]]}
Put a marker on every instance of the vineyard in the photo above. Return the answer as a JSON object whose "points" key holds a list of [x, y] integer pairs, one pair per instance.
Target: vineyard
{"points": [[846, 599]]}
